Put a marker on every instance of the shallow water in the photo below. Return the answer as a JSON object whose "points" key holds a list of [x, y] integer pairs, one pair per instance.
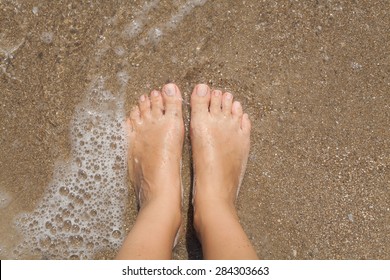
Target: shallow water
{"points": [[314, 78]]}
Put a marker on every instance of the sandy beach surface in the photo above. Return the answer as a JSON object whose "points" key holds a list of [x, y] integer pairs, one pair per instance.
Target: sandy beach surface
{"points": [[314, 76]]}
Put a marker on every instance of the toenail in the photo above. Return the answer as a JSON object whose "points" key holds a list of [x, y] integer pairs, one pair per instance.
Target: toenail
{"points": [[142, 98], [170, 89], [217, 93], [229, 95], [201, 90], [155, 93]]}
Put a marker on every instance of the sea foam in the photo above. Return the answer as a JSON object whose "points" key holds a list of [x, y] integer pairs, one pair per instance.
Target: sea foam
{"points": [[82, 211]]}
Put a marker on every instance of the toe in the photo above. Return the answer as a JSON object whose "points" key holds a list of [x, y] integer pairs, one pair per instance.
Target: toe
{"points": [[237, 110], [216, 102], [245, 124], [200, 100], [157, 103], [172, 100], [227, 101], [135, 116], [144, 106]]}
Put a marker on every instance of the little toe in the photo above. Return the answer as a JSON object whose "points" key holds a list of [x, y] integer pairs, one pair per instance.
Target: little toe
{"points": [[200, 100], [172, 100], [227, 101], [157, 103], [246, 124], [144, 106], [216, 102], [237, 110]]}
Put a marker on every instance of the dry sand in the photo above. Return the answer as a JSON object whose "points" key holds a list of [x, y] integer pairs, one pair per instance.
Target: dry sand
{"points": [[313, 76]]}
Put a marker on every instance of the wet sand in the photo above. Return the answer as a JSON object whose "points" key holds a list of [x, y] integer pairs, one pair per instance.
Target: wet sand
{"points": [[314, 78]]}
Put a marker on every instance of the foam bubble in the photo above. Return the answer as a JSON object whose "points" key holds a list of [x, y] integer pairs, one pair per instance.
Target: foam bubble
{"points": [[47, 37], [133, 29], [123, 78], [35, 10], [119, 51], [82, 210], [155, 35]]}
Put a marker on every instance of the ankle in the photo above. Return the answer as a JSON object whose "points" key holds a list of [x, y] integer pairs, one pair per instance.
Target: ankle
{"points": [[167, 194], [215, 192], [162, 211], [207, 212]]}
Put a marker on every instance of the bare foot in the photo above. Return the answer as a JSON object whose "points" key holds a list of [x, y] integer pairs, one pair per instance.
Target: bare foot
{"points": [[156, 142], [220, 136], [156, 133]]}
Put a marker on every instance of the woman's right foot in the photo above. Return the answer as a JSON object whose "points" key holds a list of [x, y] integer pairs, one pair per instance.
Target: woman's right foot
{"points": [[220, 136]]}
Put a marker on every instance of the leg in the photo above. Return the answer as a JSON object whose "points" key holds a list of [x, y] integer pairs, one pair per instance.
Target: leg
{"points": [[220, 135], [156, 133]]}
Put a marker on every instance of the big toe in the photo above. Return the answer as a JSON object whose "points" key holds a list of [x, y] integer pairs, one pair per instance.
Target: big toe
{"points": [[172, 100], [200, 100]]}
